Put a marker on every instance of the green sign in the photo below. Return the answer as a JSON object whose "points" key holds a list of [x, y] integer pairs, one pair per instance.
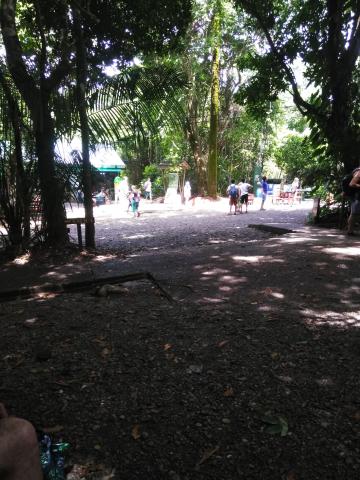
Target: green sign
{"points": [[173, 180]]}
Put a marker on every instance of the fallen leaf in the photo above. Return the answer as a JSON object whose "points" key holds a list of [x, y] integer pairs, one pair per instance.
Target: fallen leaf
{"points": [[55, 429], [105, 352], [275, 355], [277, 425], [229, 392], [194, 369], [135, 432], [167, 346], [207, 454], [223, 343]]}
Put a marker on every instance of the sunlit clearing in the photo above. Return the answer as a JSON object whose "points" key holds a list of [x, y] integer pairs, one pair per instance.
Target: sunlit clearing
{"points": [[56, 274], [233, 280], [297, 239], [333, 319], [225, 289], [265, 308], [354, 251], [215, 271], [247, 259], [46, 296], [277, 295], [214, 300], [24, 259], [103, 258], [258, 259], [140, 235]]}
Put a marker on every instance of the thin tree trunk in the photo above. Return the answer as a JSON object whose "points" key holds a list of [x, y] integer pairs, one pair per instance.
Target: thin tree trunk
{"points": [[21, 201], [81, 72], [214, 105]]}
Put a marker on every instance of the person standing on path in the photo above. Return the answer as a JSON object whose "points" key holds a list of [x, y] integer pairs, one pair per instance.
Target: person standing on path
{"points": [[265, 188], [148, 189], [244, 194], [187, 192], [233, 193], [355, 201], [135, 200], [294, 189]]}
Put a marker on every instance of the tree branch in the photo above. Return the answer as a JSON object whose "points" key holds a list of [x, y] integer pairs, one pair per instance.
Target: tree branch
{"points": [[42, 57], [303, 106], [23, 80]]}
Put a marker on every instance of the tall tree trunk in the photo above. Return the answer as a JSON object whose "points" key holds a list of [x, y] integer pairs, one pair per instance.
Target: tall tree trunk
{"points": [[81, 72], [214, 103], [199, 160], [51, 189], [214, 106]]}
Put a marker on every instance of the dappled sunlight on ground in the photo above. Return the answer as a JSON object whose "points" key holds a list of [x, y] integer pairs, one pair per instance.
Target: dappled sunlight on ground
{"points": [[341, 252], [331, 318]]}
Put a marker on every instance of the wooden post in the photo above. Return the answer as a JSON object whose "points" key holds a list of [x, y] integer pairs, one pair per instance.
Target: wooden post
{"points": [[78, 226], [316, 209]]}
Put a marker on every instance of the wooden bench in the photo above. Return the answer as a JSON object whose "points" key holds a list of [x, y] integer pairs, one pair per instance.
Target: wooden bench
{"points": [[78, 222], [287, 197]]}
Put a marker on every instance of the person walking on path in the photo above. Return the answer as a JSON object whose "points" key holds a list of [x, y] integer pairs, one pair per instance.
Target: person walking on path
{"points": [[294, 189], [355, 201], [187, 192], [244, 194], [265, 188], [148, 189], [233, 193], [135, 200]]}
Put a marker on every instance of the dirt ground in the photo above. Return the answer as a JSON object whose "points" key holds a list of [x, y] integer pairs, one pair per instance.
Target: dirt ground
{"points": [[249, 371]]}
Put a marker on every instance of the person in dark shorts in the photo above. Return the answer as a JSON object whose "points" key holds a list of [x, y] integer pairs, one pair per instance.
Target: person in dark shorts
{"points": [[244, 194]]}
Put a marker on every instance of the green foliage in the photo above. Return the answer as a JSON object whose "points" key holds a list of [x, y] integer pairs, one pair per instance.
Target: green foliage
{"points": [[296, 158], [137, 101], [325, 37], [153, 171]]}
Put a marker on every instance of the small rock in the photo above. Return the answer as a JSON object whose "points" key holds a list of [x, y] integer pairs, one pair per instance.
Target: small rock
{"points": [[30, 322], [195, 369], [226, 421]]}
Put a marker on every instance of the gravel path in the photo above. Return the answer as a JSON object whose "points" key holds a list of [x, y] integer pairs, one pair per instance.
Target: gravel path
{"points": [[252, 372], [160, 227]]}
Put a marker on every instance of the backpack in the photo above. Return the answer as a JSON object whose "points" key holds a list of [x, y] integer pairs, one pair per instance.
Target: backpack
{"points": [[233, 192], [345, 185]]}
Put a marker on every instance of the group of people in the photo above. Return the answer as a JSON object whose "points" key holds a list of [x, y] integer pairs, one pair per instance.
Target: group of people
{"points": [[129, 197], [239, 195]]}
